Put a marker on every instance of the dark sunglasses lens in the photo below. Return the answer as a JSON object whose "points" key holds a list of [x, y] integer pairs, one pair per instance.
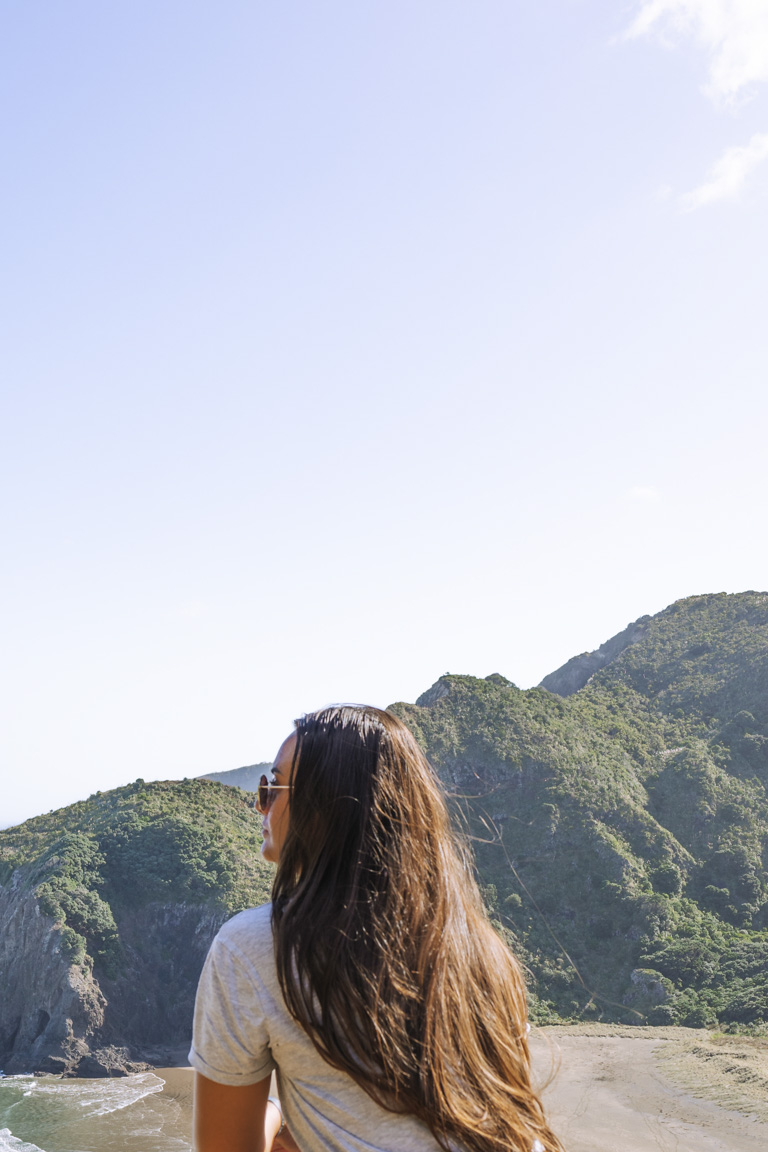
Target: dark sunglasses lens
{"points": [[262, 795]]}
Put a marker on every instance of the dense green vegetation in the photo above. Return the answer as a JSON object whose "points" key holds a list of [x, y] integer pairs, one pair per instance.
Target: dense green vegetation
{"points": [[622, 832], [96, 864]]}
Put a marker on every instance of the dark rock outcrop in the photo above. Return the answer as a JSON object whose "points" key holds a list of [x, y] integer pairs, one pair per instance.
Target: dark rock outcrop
{"points": [[574, 674], [57, 1016], [49, 1009], [439, 690]]}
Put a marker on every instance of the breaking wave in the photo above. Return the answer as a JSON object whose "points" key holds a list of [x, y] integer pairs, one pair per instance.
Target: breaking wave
{"points": [[9, 1143], [130, 1113], [98, 1097]]}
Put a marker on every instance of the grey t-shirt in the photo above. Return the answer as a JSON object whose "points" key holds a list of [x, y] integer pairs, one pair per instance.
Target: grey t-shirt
{"points": [[243, 1031]]}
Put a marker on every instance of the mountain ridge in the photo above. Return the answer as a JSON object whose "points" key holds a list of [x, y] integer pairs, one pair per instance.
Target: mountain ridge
{"points": [[628, 819], [246, 777], [579, 670], [620, 832]]}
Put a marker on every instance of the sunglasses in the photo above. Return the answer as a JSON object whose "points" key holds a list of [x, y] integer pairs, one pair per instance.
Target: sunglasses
{"points": [[266, 794]]}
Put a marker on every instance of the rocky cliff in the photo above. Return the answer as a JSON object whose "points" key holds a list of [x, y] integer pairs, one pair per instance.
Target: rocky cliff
{"points": [[50, 1009], [105, 926], [57, 1015], [579, 670]]}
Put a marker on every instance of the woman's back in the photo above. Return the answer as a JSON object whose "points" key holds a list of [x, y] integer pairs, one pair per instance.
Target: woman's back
{"points": [[243, 1032], [385, 967]]}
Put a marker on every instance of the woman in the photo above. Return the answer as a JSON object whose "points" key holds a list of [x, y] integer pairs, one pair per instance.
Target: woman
{"points": [[373, 984]]}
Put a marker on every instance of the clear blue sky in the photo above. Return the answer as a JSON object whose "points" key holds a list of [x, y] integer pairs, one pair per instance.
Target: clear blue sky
{"points": [[347, 344]]}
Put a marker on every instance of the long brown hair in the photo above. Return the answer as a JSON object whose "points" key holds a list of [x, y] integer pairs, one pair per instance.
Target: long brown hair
{"points": [[384, 952]]}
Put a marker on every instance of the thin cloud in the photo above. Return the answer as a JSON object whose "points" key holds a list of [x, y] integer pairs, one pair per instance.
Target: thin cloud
{"points": [[734, 33], [729, 174]]}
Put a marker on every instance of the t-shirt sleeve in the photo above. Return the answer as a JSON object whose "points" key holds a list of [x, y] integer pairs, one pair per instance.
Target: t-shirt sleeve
{"points": [[230, 1040]]}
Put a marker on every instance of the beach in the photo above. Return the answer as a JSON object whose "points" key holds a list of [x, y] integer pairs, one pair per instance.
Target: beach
{"points": [[610, 1089], [653, 1089]]}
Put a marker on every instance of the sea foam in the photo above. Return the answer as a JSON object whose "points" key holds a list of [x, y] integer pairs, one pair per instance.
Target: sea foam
{"points": [[9, 1143], [97, 1097]]}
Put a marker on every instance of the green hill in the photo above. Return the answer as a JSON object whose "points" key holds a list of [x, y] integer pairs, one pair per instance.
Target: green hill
{"points": [[619, 815], [108, 908], [622, 830]]}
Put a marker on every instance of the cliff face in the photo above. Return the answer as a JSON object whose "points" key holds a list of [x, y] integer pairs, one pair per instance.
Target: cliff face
{"points": [[150, 1002], [57, 1015], [577, 671], [104, 927], [49, 1010]]}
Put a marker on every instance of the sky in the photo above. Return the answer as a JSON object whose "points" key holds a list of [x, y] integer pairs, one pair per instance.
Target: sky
{"points": [[345, 345]]}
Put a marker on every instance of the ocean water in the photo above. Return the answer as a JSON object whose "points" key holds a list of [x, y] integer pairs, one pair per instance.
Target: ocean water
{"points": [[148, 1112]]}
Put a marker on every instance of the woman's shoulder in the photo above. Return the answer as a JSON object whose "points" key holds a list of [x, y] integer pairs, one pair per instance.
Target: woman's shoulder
{"points": [[248, 931]]}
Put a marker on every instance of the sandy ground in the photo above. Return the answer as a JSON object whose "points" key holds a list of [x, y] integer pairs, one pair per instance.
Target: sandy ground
{"points": [[617, 1089], [651, 1089]]}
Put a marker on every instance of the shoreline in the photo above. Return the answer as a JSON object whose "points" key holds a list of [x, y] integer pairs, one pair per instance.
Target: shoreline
{"points": [[640, 1089], [178, 1082]]}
